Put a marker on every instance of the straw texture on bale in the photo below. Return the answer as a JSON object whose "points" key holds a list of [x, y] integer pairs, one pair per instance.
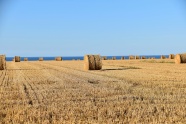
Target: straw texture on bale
{"points": [[98, 62], [131, 57], [171, 56], [180, 58], [143, 57], [17, 58], [41, 59], [122, 58], [89, 62], [163, 57], [137, 57], [2, 62], [58, 59], [25, 59], [92, 62]]}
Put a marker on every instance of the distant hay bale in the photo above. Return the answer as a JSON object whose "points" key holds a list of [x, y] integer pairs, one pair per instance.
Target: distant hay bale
{"points": [[180, 58], [114, 58], [163, 57], [41, 59], [58, 59], [153, 58], [17, 58], [104, 58], [25, 59], [92, 62], [131, 57], [171, 56], [143, 57], [137, 57], [122, 58], [2, 62]]}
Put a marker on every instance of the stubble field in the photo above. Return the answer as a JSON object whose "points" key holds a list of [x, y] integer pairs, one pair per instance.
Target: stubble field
{"points": [[124, 91]]}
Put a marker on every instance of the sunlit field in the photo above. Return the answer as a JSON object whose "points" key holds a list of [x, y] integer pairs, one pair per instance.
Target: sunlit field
{"points": [[124, 91]]}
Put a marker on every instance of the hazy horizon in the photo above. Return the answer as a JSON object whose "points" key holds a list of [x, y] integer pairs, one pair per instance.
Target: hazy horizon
{"points": [[107, 27]]}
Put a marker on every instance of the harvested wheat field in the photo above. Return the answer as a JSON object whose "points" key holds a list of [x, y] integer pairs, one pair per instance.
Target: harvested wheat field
{"points": [[130, 91]]}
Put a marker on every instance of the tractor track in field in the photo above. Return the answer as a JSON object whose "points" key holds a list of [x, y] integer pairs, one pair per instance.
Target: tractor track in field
{"points": [[67, 78], [77, 75], [28, 89], [82, 81]]}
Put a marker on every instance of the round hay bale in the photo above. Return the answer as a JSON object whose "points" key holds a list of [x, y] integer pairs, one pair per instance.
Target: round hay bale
{"points": [[122, 58], [25, 59], [92, 62], [171, 56], [41, 59], [137, 57], [17, 58], [2, 62], [143, 57], [89, 62], [131, 57], [163, 57], [98, 62], [180, 58], [104, 58], [58, 59]]}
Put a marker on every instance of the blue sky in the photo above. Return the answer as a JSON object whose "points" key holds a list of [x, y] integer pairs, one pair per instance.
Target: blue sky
{"points": [[78, 27]]}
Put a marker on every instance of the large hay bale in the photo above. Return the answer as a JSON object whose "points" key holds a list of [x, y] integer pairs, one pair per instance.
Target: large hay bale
{"points": [[171, 56], [17, 58], [122, 58], [41, 59], [25, 59], [89, 62], [98, 62], [58, 59], [137, 57], [2, 62], [92, 62], [131, 57], [180, 58], [163, 57], [143, 57]]}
